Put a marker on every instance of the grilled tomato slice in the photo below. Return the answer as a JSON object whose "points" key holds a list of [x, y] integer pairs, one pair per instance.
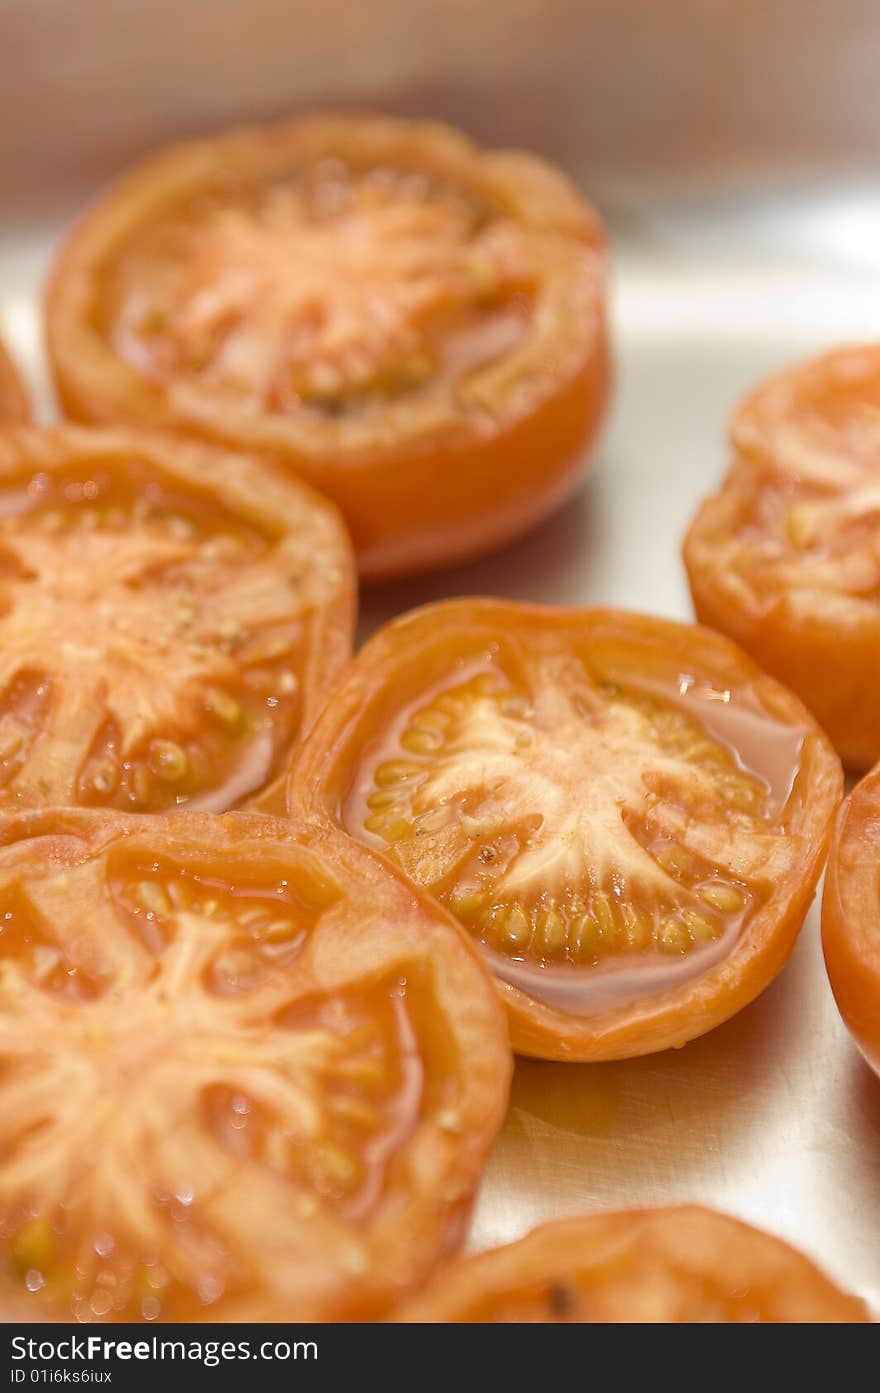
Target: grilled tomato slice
{"points": [[246, 1073], [851, 916], [14, 404], [624, 813], [412, 324], [662, 1266], [169, 617], [785, 558]]}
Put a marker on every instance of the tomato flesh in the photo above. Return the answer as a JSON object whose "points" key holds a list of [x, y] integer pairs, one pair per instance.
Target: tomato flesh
{"points": [[478, 804], [784, 557], [414, 325], [156, 641], [13, 398], [336, 290], [795, 543], [851, 916], [207, 1098], [607, 831]]}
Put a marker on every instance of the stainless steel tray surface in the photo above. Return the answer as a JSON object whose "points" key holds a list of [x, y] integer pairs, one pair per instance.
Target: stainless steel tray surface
{"points": [[772, 1117]]}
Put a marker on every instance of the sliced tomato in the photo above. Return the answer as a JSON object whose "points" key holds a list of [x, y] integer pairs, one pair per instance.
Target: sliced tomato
{"points": [[661, 1266], [14, 404], [414, 325], [785, 558], [624, 813], [246, 1072], [851, 915], [169, 619]]}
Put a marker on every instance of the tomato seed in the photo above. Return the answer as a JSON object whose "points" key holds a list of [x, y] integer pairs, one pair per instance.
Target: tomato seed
{"points": [[168, 760]]}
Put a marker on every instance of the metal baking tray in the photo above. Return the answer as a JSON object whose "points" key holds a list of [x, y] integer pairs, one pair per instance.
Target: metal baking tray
{"points": [[725, 143]]}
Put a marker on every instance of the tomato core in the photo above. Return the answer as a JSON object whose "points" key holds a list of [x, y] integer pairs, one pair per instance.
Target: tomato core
{"points": [[600, 841], [332, 290], [157, 643], [197, 1094]]}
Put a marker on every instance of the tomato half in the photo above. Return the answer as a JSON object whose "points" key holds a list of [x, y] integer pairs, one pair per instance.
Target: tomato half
{"points": [[785, 558], [14, 404], [851, 915], [414, 325], [169, 619], [246, 1073], [661, 1266], [624, 813]]}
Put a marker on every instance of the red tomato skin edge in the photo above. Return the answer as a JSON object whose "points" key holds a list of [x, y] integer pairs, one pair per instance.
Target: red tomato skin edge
{"points": [[804, 653], [461, 1291], [458, 500], [447, 501], [851, 917], [411, 506], [317, 772]]}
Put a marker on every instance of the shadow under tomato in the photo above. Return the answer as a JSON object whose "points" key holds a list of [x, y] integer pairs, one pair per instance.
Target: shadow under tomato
{"points": [[717, 1077], [551, 561], [680, 1125], [858, 1117], [864, 1088]]}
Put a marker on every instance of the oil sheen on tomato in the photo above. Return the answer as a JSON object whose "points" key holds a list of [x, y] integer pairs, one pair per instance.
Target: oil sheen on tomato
{"points": [[147, 661], [286, 295], [166, 1081], [602, 843]]}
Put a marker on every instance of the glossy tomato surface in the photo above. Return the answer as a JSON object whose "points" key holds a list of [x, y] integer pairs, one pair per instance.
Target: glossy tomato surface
{"points": [[624, 813], [785, 558], [246, 1073], [169, 618], [666, 1266], [14, 405], [851, 915], [412, 324]]}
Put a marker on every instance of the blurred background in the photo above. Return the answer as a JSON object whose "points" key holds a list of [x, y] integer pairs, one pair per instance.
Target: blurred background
{"points": [[728, 90], [732, 147]]}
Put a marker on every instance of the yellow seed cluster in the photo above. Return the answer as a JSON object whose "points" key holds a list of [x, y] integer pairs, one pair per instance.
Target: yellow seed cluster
{"points": [[33, 1246], [546, 923], [167, 769], [223, 706], [273, 259], [311, 1085], [253, 925], [151, 898], [168, 760], [143, 586], [578, 932]]}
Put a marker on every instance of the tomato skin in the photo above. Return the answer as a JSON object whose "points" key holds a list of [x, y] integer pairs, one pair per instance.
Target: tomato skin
{"points": [[377, 923], [674, 1265], [409, 653], [833, 668], [246, 493], [795, 430], [417, 498], [14, 404], [455, 499], [851, 916]]}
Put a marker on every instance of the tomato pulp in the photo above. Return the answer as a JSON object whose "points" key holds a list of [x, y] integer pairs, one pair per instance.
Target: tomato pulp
{"points": [[624, 813], [169, 619], [851, 916], [412, 324], [246, 1073], [14, 405], [785, 557]]}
